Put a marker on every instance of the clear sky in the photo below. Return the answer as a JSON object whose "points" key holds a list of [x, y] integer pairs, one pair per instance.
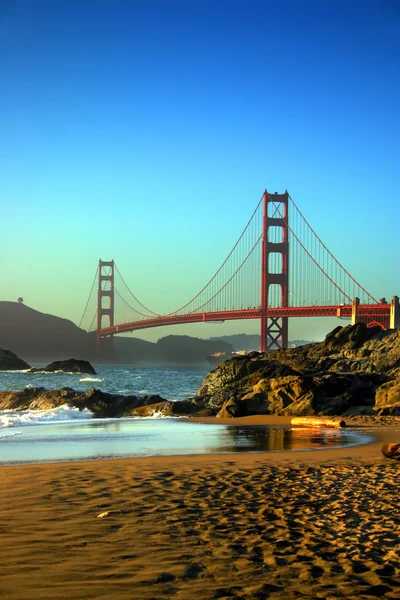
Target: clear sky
{"points": [[147, 131]]}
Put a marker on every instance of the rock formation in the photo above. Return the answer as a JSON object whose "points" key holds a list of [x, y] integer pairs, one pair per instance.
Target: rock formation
{"points": [[10, 362], [103, 404], [71, 365], [356, 370], [100, 403]]}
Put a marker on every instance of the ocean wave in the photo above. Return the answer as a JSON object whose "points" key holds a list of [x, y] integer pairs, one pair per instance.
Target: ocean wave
{"points": [[66, 412], [8, 435], [91, 379], [16, 371], [59, 372]]}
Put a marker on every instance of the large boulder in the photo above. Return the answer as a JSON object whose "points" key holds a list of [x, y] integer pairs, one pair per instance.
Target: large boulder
{"points": [[349, 338], [10, 361], [232, 408], [159, 409], [304, 395], [338, 376], [238, 376], [71, 365], [388, 397]]}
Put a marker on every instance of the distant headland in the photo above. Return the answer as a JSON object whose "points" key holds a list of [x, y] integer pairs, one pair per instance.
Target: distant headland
{"points": [[39, 337]]}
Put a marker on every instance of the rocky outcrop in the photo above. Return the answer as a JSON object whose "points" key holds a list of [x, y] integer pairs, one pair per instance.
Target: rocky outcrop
{"points": [[356, 370], [387, 400], [10, 362], [71, 365], [100, 403], [103, 404]]}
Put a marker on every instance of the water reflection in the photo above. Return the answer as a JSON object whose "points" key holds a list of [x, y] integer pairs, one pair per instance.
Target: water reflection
{"points": [[270, 439], [113, 438]]}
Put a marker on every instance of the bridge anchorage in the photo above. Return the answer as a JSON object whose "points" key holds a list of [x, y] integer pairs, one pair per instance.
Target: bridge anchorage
{"points": [[278, 269]]}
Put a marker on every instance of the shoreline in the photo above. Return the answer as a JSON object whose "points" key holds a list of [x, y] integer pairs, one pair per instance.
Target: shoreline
{"points": [[282, 524], [378, 431]]}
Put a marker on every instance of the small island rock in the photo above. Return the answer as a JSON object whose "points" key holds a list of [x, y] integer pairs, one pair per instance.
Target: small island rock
{"points": [[71, 365]]}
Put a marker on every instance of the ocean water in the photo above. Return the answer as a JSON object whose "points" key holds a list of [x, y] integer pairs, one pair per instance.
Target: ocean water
{"points": [[66, 433], [172, 383]]}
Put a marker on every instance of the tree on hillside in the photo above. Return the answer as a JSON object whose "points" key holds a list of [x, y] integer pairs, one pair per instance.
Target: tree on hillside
{"points": [[20, 299]]}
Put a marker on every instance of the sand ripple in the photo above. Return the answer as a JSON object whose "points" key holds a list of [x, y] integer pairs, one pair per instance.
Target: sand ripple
{"points": [[198, 530]]}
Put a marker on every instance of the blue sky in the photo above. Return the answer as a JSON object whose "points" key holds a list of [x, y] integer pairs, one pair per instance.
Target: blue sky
{"points": [[147, 131]]}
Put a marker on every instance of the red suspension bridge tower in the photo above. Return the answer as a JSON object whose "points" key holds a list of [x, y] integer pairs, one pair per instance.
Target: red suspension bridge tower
{"points": [[275, 241], [105, 305]]}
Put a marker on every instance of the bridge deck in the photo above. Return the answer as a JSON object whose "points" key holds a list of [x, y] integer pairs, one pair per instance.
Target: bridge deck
{"points": [[369, 312]]}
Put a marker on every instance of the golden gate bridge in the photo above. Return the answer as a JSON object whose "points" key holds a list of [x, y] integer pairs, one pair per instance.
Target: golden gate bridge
{"points": [[278, 269]]}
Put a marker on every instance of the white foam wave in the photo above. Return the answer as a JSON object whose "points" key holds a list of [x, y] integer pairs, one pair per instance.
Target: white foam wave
{"points": [[59, 372], [2, 437], [91, 379], [16, 371], [66, 412]]}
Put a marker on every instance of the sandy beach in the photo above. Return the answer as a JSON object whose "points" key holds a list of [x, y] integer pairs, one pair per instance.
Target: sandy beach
{"points": [[321, 524]]}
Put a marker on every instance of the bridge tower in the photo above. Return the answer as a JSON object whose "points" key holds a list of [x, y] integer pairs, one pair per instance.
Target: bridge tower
{"points": [[275, 239], [105, 308]]}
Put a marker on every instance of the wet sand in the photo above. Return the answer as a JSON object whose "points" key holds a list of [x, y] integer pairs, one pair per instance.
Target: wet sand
{"points": [[321, 524]]}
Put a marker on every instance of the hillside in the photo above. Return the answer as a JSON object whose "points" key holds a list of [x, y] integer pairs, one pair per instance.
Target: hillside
{"points": [[38, 337], [248, 341]]}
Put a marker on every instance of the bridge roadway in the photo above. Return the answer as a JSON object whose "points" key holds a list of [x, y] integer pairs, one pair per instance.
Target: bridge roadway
{"points": [[370, 313]]}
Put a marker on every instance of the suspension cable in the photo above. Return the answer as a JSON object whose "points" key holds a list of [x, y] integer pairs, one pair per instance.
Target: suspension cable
{"points": [[94, 317], [133, 295], [131, 307], [223, 264], [231, 277], [91, 290], [330, 253], [310, 255]]}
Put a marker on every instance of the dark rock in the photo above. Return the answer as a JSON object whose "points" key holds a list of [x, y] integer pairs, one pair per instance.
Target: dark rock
{"points": [[71, 365], [199, 406], [232, 408], [10, 362], [354, 371], [387, 399], [352, 337], [150, 410], [103, 404], [100, 403], [240, 374]]}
